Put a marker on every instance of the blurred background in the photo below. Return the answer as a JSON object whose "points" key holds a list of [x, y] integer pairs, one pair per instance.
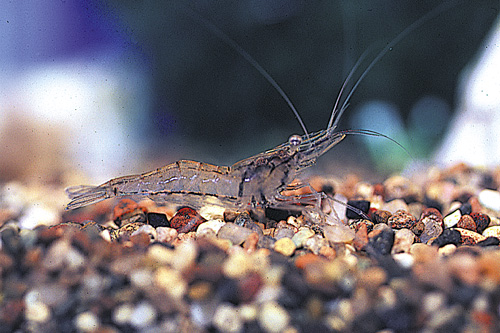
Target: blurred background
{"points": [[101, 89]]}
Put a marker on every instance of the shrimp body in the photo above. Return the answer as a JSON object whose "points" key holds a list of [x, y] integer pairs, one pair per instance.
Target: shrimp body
{"points": [[254, 181]]}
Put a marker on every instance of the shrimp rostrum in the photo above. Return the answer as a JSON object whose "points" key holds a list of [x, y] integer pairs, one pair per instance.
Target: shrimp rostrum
{"points": [[257, 181]]}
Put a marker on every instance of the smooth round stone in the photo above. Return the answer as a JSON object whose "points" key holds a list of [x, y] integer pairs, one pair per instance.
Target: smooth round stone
{"points": [[237, 265], [38, 214], [248, 312], [283, 232], [405, 260], [338, 233], [403, 239], [447, 250], [122, 314], [37, 312], [212, 212], [227, 319], [301, 236], [492, 232], [87, 322], [285, 246], [452, 219], [235, 233], [166, 235], [395, 205], [141, 278], [490, 199], [160, 253], [171, 281], [272, 317], [143, 315], [209, 228]]}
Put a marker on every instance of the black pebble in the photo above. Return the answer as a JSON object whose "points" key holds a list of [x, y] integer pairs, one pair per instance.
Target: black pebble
{"points": [[465, 209], [382, 243], [362, 205], [490, 241], [158, 220], [447, 237]]}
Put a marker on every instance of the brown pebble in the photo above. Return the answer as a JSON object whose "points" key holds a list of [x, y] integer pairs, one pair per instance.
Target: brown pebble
{"points": [[433, 214], [361, 237], [248, 286], [482, 221], [467, 222], [465, 267], [380, 216], [307, 259], [327, 252], [475, 205], [402, 219], [251, 241], [186, 219], [230, 216]]}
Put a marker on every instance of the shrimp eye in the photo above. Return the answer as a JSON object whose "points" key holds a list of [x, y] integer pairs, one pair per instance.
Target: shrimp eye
{"points": [[295, 140]]}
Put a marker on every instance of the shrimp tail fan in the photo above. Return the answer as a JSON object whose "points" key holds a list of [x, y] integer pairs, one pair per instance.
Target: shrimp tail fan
{"points": [[83, 195]]}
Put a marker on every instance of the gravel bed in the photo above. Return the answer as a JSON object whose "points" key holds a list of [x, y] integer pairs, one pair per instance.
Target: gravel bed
{"points": [[419, 255]]}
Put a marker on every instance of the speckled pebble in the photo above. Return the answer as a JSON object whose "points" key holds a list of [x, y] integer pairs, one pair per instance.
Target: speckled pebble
{"points": [[401, 219], [452, 219], [492, 232], [482, 221], [285, 246], [469, 237], [273, 317], [466, 222]]}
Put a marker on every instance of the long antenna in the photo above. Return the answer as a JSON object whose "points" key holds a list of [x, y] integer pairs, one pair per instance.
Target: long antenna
{"points": [[230, 42], [337, 113]]}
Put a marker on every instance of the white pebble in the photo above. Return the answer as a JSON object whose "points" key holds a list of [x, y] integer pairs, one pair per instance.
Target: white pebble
{"points": [[87, 322], [226, 318], [452, 219], [143, 315], [212, 212], [490, 199], [122, 314], [38, 214], [273, 318], [209, 227], [404, 259], [37, 311]]}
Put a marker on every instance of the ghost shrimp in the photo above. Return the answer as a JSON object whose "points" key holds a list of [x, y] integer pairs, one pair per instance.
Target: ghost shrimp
{"points": [[257, 181]]}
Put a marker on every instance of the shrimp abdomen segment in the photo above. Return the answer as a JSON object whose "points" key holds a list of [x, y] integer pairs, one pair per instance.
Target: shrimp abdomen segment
{"points": [[200, 181]]}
